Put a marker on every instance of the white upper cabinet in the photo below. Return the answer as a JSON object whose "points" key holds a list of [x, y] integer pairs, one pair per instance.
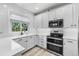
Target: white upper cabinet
{"points": [[38, 22], [52, 14], [69, 13], [65, 13], [75, 14], [62, 12], [41, 20], [67, 16], [59, 13], [45, 20]]}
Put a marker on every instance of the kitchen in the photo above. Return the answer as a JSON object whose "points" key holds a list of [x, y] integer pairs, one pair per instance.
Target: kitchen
{"points": [[33, 28]]}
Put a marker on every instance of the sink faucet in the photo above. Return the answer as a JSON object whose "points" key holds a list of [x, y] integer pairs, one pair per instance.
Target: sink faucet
{"points": [[21, 33]]}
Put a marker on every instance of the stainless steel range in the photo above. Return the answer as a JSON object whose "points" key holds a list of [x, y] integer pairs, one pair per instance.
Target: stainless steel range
{"points": [[55, 42]]}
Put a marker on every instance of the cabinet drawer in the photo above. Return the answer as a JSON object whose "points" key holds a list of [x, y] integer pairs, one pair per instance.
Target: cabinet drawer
{"points": [[70, 47], [42, 45]]}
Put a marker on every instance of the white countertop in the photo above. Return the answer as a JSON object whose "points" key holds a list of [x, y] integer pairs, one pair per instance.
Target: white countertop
{"points": [[17, 36], [15, 48], [6, 44]]}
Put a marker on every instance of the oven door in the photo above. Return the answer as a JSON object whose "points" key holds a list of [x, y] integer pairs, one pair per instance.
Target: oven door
{"points": [[56, 35], [54, 48], [60, 42]]}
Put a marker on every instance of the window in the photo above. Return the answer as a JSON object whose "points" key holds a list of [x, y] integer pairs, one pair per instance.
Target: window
{"points": [[24, 26], [19, 25]]}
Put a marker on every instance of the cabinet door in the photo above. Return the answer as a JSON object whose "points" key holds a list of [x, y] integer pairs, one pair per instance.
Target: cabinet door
{"points": [[44, 21], [60, 12], [35, 40], [24, 42], [38, 19], [42, 41], [52, 14], [75, 14], [29, 42], [32, 41], [39, 40], [70, 48], [67, 15], [20, 41]]}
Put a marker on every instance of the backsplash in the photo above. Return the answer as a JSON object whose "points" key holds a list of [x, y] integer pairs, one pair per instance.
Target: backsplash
{"points": [[44, 31]]}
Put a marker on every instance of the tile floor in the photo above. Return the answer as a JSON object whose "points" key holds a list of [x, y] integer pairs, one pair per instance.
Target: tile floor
{"points": [[38, 52]]}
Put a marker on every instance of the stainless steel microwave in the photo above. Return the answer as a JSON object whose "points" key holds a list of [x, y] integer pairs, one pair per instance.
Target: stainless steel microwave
{"points": [[56, 23]]}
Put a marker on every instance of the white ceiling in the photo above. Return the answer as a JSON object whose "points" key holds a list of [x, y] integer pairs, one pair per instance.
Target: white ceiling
{"points": [[36, 7]]}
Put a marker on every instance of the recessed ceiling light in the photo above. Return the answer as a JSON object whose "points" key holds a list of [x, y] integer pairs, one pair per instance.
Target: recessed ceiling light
{"points": [[4, 5], [36, 8]]}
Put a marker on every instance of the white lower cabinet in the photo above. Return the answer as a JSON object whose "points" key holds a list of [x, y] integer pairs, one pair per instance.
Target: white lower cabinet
{"points": [[30, 41], [42, 41], [27, 42], [35, 40], [70, 47], [21, 41], [24, 42]]}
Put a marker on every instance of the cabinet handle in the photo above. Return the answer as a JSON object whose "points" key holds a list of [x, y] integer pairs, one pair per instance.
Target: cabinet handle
{"points": [[30, 37], [20, 39], [15, 39], [42, 41], [70, 41], [25, 41], [63, 43], [73, 25], [41, 44]]}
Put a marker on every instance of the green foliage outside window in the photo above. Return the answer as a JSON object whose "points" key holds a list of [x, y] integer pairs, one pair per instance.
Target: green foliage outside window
{"points": [[24, 27], [18, 25]]}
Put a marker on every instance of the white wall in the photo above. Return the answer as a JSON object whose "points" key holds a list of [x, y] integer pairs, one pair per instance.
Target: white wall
{"points": [[5, 13], [5, 26]]}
